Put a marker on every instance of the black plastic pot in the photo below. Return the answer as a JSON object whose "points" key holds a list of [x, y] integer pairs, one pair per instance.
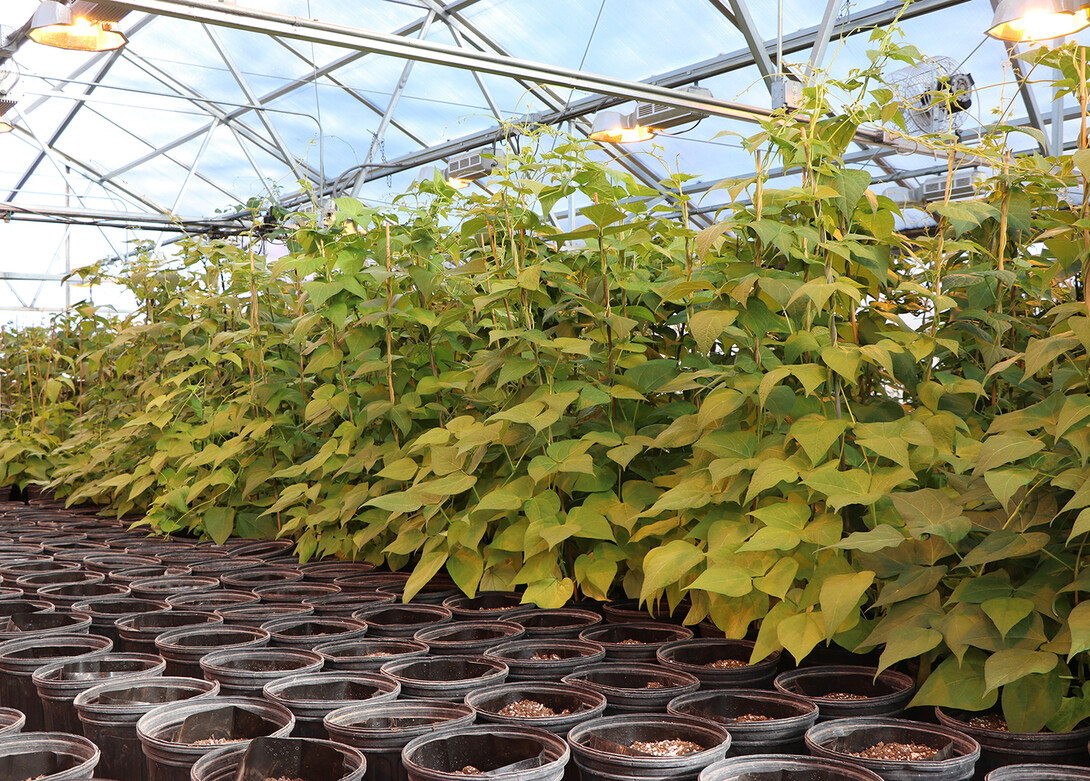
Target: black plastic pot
{"points": [[211, 601], [59, 683], [785, 767], [468, 637], [106, 563], [12, 572], [20, 658], [445, 677], [369, 581], [848, 691], [582, 704], [260, 549], [401, 620], [625, 611], [1000, 748], [599, 746], [105, 614], [30, 584], [434, 592], [559, 624], [633, 641], [183, 648], [329, 571], [244, 672], [138, 632], [14, 607], [11, 721], [255, 577], [309, 631], [498, 752], [842, 739], [545, 660], [175, 736], [696, 657], [47, 756], [486, 605], [221, 565], [299, 759], [1039, 772], [256, 614], [166, 586], [294, 593], [759, 722], [109, 713], [311, 696], [10, 592], [127, 576], [381, 730], [632, 688], [65, 597], [22, 625], [368, 654], [344, 604]]}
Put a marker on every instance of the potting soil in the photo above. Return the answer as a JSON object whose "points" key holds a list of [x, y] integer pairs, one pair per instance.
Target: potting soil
{"points": [[908, 752], [530, 709], [674, 747], [989, 721], [724, 664]]}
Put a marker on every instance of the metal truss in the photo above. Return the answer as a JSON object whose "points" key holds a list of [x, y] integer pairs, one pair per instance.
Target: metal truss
{"points": [[252, 124]]}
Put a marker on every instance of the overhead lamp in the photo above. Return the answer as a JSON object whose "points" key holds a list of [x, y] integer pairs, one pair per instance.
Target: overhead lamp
{"points": [[1038, 20], [6, 105], [80, 26], [646, 120], [613, 127], [467, 167]]}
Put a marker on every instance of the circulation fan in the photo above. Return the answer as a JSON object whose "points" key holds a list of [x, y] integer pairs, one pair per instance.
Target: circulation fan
{"points": [[934, 96]]}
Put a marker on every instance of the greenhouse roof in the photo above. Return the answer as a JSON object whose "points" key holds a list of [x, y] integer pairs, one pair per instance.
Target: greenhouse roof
{"points": [[211, 104]]}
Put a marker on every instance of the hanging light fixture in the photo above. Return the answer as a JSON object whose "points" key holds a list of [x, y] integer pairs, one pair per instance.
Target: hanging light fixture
{"points": [[613, 127], [6, 105], [1038, 20], [467, 167], [645, 121], [80, 26]]}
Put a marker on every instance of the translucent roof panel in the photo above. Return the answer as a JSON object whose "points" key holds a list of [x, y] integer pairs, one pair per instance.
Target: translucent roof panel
{"points": [[190, 120]]}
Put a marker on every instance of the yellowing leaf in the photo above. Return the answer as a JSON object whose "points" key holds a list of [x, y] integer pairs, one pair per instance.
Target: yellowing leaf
{"points": [[840, 595], [666, 565], [707, 324]]}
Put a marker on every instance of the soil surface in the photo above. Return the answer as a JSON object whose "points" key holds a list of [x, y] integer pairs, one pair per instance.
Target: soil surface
{"points": [[632, 641], [989, 721], [655, 685], [844, 696], [377, 653], [726, 664], [531, 709], [215, 741], [900, 751], [545, 658], [674, 747], [468, 770], [284, 778], [746, 718]]}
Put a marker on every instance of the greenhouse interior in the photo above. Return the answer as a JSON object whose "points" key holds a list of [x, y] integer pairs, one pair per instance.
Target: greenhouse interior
{"points": [[612, 390]]}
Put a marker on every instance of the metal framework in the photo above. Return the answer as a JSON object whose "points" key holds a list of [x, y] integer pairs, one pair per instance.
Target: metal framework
{"points": [[251, 127]]}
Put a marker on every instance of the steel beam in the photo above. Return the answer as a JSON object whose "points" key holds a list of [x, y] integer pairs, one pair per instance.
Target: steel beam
{"points": [[328, 34], [743, 20], [1025, 89], [116, 219], [825, 33]]}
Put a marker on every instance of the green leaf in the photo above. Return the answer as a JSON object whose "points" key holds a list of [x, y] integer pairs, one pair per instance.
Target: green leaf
{"points": [[1005, 544], [1078, 621], [1042, 352], [1081, 159], [1005, 612], [1005, 483], [850, 184], [817, 435], [666, 565], [778, 581], [724, 579], [930, 511], [1030, 702], [549, 593], [800, 633], [768, 475], [908, 643], [602, 214], [841, 488], [466, 567], [219, 522], [1006, 666], [840, 595], [707, 324], [881, 536], [959, 685], [844, 360], [402, 469], [425, 569], [1003, 449]]}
